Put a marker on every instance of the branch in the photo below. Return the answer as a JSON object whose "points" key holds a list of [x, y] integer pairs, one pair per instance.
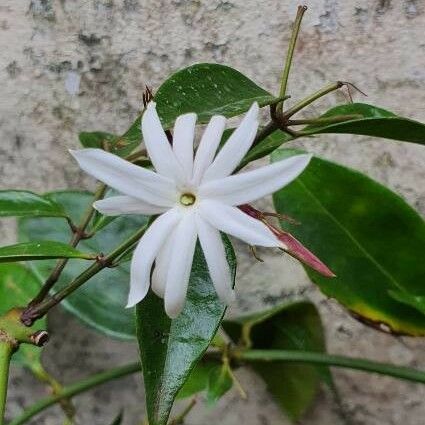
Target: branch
{"points": [[35, 312], [79, 233], [399, 372], [291, 48], [75, 389]]}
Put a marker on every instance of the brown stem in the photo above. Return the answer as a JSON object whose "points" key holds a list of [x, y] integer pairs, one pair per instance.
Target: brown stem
{"points": [[37, 311], [79, 233]]}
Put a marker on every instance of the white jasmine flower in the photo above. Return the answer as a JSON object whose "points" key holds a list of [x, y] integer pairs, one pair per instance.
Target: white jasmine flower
{"points": [[194, 196]]}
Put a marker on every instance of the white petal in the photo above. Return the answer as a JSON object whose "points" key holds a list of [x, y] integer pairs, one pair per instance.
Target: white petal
{"points": [[235, 148], [180, 265], [158, 146], [208, 147], [183, 136], [215, 255], [145, 253], [251, 185], [126, 177], [233, 221], [162, 261], [117, 205]]}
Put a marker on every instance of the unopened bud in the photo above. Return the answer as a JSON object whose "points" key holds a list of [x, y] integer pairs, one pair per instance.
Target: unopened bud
{"points": [[289, 243]]}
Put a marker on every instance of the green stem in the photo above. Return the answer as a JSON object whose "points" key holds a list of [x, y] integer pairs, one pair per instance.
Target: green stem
{"points": [[56, 388], [79, 233], [325, 120], [35, 312], [291, 48], [75, 389], [6, 350], [178, 420], [399, 372], [310, 99]]}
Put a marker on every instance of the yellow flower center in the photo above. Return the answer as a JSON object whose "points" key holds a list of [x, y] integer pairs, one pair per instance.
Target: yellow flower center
{"points": [[187, 199]]}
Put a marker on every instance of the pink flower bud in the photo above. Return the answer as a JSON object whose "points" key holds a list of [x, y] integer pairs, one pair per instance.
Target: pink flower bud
{"points": [[289, 243]]}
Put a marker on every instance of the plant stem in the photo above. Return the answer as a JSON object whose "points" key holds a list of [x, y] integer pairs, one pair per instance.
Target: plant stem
{"points": [[325, 120], [35, 312], [56, 388], [6, 350], [79, 233], [264, 132], [400, 372], [178, 420], [310, 99], [75, 389], [291, 48]]}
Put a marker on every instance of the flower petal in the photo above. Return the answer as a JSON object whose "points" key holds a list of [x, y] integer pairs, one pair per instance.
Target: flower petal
{"points": [[158, 146], [117, 205], [233, 221], [208, 147], [235, 148], [162, 261], [215, 255], [180, 265], [145, 253], [126, 177], [251, 185], [183, 136]]}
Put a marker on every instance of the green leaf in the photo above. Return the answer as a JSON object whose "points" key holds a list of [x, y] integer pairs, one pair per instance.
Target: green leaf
{"points": [[197, 380], [169, 348], [20, 203], [369, 236], [100, 303], [375, 122], [40, 250], [18, 286], [219, 382], [207, 89], [267, 146], [121, 146], [415, 301], [289, 326]]}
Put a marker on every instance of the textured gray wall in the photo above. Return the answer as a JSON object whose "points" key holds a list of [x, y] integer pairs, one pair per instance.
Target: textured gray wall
{"points": [[67, 66]]}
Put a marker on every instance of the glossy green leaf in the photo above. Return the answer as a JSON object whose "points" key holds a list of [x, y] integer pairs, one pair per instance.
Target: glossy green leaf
{"points": [[21, 203], [219, 382], [101, 302], [412, 300], [369, 236], [117, 145], [18, 286], [207, 89], [170, 349], [289, 326], [267, 146], [375, 122], [372, 121], [40, 250], [197, 380]]}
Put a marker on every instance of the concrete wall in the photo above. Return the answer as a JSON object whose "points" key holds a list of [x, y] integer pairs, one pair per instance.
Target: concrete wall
{"points": [[67, 66]]}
